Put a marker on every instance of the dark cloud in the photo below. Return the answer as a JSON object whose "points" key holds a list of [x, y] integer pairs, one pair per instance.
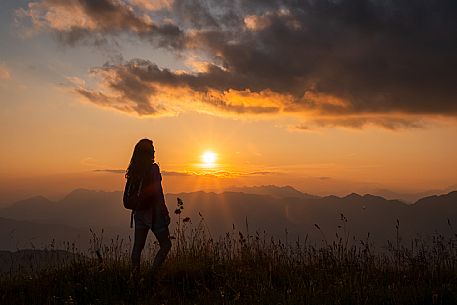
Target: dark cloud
{"points": [[119, 103], [333, 58], [92, 21]]}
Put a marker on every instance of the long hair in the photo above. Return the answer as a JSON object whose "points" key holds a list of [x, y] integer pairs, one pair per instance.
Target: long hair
{"points": [[142, 158]]}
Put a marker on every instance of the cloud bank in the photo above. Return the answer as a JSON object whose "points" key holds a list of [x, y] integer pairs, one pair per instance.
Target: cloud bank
{"points": [[217, 173], [330, 62]]}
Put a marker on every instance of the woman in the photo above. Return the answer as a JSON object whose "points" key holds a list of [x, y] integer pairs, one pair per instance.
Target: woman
{"points": [[152, 214]]}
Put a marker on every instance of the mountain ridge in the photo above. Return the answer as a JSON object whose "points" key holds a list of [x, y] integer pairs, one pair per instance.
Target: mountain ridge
{"points": [[84, 209]]}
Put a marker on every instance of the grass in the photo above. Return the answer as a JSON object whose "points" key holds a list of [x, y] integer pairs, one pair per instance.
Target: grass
{"points": [[243, 268]]}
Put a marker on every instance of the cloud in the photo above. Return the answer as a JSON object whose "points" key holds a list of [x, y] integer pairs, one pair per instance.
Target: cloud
{"points": [[153, 5], [360, 121], [351, 63], [164, 173], [113, 171], [87, 21], [141, 87], [217, 174], [181, 174], [5, 73], [261, 173]]}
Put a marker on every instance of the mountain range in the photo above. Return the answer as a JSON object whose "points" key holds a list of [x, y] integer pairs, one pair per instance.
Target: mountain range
{"points": [[270, 209]]}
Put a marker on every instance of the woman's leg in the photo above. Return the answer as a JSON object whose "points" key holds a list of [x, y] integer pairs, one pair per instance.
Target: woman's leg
{"points": [[163, 237], [138, 245]]}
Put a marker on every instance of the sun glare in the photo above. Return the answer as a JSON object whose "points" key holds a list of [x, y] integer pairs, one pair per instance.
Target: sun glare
{"points": [[209, 158]]}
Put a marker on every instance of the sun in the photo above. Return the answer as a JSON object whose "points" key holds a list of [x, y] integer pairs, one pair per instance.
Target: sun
{"points": [[209, 158]]}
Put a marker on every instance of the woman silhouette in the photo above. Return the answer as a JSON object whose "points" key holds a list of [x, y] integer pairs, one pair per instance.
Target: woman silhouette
{"points": [[152, 214]]}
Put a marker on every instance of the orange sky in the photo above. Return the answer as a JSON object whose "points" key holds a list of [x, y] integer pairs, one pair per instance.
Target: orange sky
{"points": [[275, 109], [62, 151]]}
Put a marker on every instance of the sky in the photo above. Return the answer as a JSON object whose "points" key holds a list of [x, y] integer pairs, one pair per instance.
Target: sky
{"points": [[329, 96]]}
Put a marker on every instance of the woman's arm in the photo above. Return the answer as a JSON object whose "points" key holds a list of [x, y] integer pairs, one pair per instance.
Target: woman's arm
{"points": [[153, 188]]}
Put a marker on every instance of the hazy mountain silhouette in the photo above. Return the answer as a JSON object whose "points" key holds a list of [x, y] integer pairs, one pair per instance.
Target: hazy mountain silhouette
{"points": [[279, 208], [273, 190], [365, 213], [445, 203], [16, 234], [443, 207], [410, 197], [80, 208], [23, 207]]}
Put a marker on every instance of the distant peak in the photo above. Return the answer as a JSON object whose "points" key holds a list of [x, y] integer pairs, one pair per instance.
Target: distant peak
{"points": [[285, 191], [450, 198], [81, 192], [352, 196], [29, 202]]}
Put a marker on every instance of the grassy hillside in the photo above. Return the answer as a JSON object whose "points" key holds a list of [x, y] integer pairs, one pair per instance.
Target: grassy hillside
{"points": [[247, 268]]}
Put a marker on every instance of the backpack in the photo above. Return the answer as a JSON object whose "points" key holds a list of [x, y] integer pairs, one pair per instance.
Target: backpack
{"points": [[132, 192], [132, 195]]}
